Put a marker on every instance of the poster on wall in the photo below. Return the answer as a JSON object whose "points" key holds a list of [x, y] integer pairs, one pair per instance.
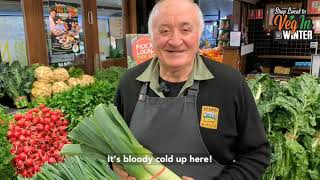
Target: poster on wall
{"points": [[316, 24], [139, 49], [64, 27], [313, 7]]}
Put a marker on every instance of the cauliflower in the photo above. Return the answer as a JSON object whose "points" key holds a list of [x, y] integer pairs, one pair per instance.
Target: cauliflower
{"points": [[41, 89], [86, 80], [59, 87], [43, 74], [60, 74]]}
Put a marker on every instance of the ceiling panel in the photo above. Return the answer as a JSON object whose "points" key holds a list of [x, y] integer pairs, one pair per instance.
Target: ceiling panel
{"points": [[211, 7]]}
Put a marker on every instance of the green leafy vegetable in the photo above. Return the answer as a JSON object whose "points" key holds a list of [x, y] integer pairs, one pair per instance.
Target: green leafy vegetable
{"points": [[7, 170], [290, 112], [112, 74], [81, 101], [75, 72], [16, 82]]}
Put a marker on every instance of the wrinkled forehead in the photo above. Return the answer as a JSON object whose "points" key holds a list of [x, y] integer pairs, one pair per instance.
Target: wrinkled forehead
{"points": [[172, 14]]}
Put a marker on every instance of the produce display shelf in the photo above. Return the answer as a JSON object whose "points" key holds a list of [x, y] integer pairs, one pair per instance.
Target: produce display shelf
{"points": [[284, 57]]}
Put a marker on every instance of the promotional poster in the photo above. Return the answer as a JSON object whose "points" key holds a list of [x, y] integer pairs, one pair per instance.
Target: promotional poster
{"points": [[139, 49], [64, 27]]}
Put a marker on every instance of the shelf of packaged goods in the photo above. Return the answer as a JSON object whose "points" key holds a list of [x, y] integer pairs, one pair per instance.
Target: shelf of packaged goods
{"points": [[284, 57]]}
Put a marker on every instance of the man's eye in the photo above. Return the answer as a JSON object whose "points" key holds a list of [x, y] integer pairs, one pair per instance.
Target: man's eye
{"points": [[186, 30], [164, 31]]}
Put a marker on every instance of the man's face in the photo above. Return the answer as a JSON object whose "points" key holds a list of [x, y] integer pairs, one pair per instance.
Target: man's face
{"points": [[176, 33], [53, 14]]}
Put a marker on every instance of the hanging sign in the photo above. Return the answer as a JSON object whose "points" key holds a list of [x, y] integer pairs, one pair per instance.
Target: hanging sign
{"points": [[139, 49]]}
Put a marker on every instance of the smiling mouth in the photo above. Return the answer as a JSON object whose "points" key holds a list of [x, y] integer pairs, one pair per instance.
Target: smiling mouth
{"points": [[175, 51]]}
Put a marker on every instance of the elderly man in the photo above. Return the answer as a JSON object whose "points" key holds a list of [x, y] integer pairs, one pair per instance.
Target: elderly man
{"points": [[182, 103]]}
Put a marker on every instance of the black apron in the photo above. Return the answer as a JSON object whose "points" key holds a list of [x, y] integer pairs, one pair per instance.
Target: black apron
{"points": [[170, 126]]}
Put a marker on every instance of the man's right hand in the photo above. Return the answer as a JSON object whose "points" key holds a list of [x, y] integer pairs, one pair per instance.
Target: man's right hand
{"points": [[122, 173]]}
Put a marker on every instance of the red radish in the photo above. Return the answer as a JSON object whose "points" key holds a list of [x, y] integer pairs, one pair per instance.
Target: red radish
{"points": [[35, 120], [20, 164], [26, 149], [10, 134], [45, 110], [42, 106], [51, 160], [17, 116], [29, 162], [37, 138], [47, 127], [39, 127], [16, 134], [22, 138], [54, 118], [20, 123], [24, 173], [22, 156], [36, 168]]}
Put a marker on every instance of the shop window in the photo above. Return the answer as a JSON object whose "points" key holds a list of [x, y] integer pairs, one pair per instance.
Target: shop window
{"points": [[12, 33], [65, 37], [110, 25]]}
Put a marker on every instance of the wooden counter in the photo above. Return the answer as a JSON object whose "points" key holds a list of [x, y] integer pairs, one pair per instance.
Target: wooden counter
{"points": [[231, 56]]}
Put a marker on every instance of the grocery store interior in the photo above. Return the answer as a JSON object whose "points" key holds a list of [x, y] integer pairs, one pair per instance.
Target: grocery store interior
{"points": [[70, 55], [105, 24]]}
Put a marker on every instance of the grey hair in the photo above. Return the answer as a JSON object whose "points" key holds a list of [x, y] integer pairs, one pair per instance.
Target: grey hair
{"points": [[150, 20]]}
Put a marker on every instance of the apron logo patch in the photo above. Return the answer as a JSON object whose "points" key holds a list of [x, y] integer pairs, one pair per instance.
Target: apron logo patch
{"points": [[209, 117]]}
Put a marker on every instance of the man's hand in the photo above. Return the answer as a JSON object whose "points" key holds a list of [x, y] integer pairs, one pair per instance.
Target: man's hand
{"points": [[187, 178], [122, 173]]}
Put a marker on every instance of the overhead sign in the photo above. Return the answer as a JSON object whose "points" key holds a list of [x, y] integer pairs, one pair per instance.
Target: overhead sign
{"points": [[292, 24]]}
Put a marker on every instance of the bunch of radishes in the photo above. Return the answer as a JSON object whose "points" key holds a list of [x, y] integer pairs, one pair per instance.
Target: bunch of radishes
{"points": [[37, 138]]}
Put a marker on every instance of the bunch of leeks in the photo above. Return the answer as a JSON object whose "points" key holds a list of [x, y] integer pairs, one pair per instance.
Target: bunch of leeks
{"points": [[104, 134], [76, 167]]}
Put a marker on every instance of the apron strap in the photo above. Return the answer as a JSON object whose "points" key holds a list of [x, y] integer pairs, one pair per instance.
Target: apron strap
{"points": [[143, 92], [194, 89]]}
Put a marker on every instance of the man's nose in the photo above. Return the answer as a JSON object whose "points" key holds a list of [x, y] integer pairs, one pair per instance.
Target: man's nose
{"points": [[176, 39]]}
